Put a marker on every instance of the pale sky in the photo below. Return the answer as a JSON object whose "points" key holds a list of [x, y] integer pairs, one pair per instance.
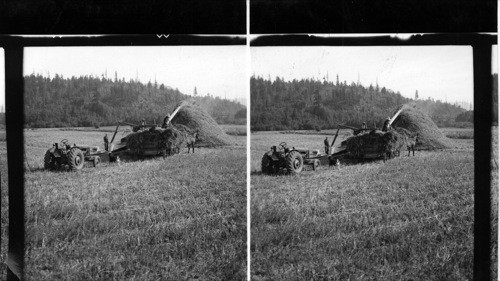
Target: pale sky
{"points": [[440, 72], [2, 79], [218, 70], [494, 57]]}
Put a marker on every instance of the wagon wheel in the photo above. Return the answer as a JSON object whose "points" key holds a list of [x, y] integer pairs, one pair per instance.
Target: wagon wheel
{"points": [[49, 161], [294, 163], [265, 164], [76, 159], [96, 161]]}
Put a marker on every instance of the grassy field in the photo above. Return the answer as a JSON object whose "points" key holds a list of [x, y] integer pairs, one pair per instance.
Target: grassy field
{"points": [[494, 205], [408, 219], [4, 231], [175, 219], [457, 133]]}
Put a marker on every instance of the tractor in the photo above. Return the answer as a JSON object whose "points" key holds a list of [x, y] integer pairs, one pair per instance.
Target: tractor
{"points": [[282, 157], [292, 160], [63, 154]]}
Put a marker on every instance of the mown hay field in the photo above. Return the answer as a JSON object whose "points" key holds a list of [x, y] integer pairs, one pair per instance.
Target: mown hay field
{"points": [[174, 219], [4, 230], [410, 218], [494, 205]]}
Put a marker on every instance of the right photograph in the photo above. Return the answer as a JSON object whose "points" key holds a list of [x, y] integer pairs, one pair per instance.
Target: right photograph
{"points": [[362, 163]]}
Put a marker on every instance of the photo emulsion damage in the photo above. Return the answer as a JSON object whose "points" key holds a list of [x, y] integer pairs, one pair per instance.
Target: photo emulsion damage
{"points": [[362, 163], [135, 163]]}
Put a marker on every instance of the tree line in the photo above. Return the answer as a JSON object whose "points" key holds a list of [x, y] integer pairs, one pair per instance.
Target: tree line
{"points": [[91, 101], [311, 104]]}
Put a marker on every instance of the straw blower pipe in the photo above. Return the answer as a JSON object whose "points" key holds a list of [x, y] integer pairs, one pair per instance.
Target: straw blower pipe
{"points": [[168, 118], [396, 115]]}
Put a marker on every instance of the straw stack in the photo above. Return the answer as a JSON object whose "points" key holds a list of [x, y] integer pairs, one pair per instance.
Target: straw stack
{"points": [[411, 121]]}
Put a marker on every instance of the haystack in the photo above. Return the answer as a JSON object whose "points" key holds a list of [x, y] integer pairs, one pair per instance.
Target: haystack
{"points": [[157, 138], [376, 141], [193, 118], [188, 121], [412, 121]]}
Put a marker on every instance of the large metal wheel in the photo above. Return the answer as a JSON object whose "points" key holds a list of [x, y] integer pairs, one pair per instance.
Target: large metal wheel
{"points": [[76, 159], [265, 164], [49, 161], [294, 162]]}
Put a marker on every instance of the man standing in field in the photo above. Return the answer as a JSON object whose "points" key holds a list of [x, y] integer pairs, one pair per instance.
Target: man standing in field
{"points": [[106, 142], [327, 145], [386, 126]]}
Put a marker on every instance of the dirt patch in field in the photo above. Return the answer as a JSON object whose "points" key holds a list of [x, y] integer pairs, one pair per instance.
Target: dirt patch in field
{"points": [[412, 121]]}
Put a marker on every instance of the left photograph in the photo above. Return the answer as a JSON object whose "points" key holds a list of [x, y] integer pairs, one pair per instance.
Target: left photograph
{"points": [[135, 163]]}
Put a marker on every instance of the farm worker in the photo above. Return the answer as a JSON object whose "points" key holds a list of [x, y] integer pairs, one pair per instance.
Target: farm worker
{"points": [[106, 142], [327, 145], [386, 126]]}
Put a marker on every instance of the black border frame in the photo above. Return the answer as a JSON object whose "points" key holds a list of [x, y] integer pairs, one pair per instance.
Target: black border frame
{"points": [[123, 17], [367, 16]]}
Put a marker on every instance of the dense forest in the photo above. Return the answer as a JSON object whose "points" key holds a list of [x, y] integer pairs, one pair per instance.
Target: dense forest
{"points": [[310, 104], [468, 116], [92, 101]]}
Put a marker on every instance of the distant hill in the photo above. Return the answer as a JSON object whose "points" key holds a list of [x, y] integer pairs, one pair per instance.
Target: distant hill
{"points": [[311, 104], [467, 116], [92, 101]]}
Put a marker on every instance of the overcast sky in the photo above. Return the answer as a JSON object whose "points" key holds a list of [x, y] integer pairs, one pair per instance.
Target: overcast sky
{"points": [[442, 72], [2, 79], [218, 70], [439, 72]]}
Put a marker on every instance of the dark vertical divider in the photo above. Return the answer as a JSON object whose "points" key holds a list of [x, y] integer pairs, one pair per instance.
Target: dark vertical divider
{"points": [[14, 118], [482, 158]]}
